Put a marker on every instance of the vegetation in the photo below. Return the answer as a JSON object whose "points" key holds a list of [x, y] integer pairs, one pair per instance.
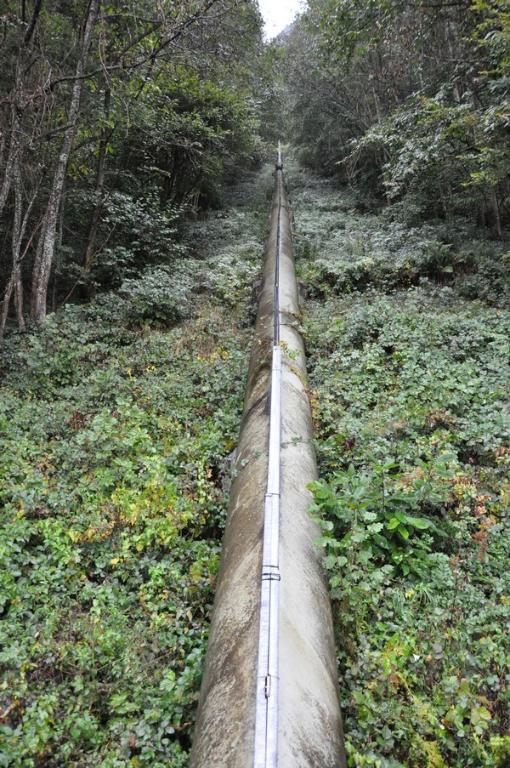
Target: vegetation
{"points": [[405, 104], [410, 390], [133, 202], [408, 101], [118, 421], [114, 114]]}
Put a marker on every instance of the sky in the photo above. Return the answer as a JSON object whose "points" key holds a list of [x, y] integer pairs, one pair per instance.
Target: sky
{"points": [[278, 14]]}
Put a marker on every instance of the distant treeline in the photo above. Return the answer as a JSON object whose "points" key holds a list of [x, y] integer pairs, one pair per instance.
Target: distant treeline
{"points": [[408, 100]]}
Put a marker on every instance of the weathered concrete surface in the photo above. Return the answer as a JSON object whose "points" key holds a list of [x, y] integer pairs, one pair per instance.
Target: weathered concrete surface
{"points": [[310, 726], [310, 720]]}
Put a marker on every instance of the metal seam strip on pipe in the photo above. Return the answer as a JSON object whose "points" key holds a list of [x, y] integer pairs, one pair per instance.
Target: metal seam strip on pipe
{"points": [[267, 695]]}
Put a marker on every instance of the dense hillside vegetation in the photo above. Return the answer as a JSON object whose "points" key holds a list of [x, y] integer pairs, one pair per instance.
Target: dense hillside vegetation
{"points": [[409, 365], [117, 424], [405, 107], [134, 188], [409, 101]]}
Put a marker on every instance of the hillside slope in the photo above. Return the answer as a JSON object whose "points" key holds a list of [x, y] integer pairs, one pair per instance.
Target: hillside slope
{"points": [[407, 335], [117, 422]]}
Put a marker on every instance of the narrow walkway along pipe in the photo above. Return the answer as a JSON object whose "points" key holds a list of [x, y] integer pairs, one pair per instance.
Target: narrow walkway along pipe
{"points": [[269, 692]]}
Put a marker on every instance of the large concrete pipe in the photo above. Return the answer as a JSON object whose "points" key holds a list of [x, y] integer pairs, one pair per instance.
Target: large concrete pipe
{"points": [[288, 715]]}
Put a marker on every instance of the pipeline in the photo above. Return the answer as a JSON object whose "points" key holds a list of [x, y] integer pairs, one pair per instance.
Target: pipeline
{"points": [[269, 691], [266, 705]]}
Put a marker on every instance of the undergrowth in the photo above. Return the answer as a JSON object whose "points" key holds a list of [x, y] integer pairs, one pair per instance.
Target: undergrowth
{"points": [[407, 330], [117, 425]]}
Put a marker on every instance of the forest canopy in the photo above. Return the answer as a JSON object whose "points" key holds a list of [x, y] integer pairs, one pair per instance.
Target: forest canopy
{"points": [[407, 100], [115, 117]]}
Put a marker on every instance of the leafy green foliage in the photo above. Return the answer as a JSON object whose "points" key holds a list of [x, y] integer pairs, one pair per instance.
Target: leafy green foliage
{"points": [[406, 101], [146, 232], [164, 295], [409, 393], [394, 250], [168, 117], [117, 422], [189, 133], [441, 156], [375, 515]]}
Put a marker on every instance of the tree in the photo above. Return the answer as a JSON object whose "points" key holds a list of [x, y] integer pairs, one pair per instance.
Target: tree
{"points": [[406, 99], [46, 247], [120, 98]]}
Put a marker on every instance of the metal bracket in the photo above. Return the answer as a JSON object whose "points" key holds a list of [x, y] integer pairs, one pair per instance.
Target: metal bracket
{"points": [[271, 576]]}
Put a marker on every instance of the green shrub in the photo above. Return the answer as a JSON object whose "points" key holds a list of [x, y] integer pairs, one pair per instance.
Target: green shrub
{"points": [[410, 391], [377, 515], [163, 295], [117, 424]]}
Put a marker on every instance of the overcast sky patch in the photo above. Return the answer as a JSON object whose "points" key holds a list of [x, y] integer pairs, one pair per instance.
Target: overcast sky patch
{"points": [[278, 14]]}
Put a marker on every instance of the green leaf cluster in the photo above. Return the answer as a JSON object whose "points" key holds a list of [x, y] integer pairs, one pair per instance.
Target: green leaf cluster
{"points": [[409, 389], [118, 420]]}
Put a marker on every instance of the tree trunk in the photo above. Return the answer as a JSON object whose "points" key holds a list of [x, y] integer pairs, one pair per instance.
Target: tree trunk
{"points": [[495, 212], [12, 177], [45, 253], [14, 143], [58, 256], [90, 249], [14, 285], [14, 147]]}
